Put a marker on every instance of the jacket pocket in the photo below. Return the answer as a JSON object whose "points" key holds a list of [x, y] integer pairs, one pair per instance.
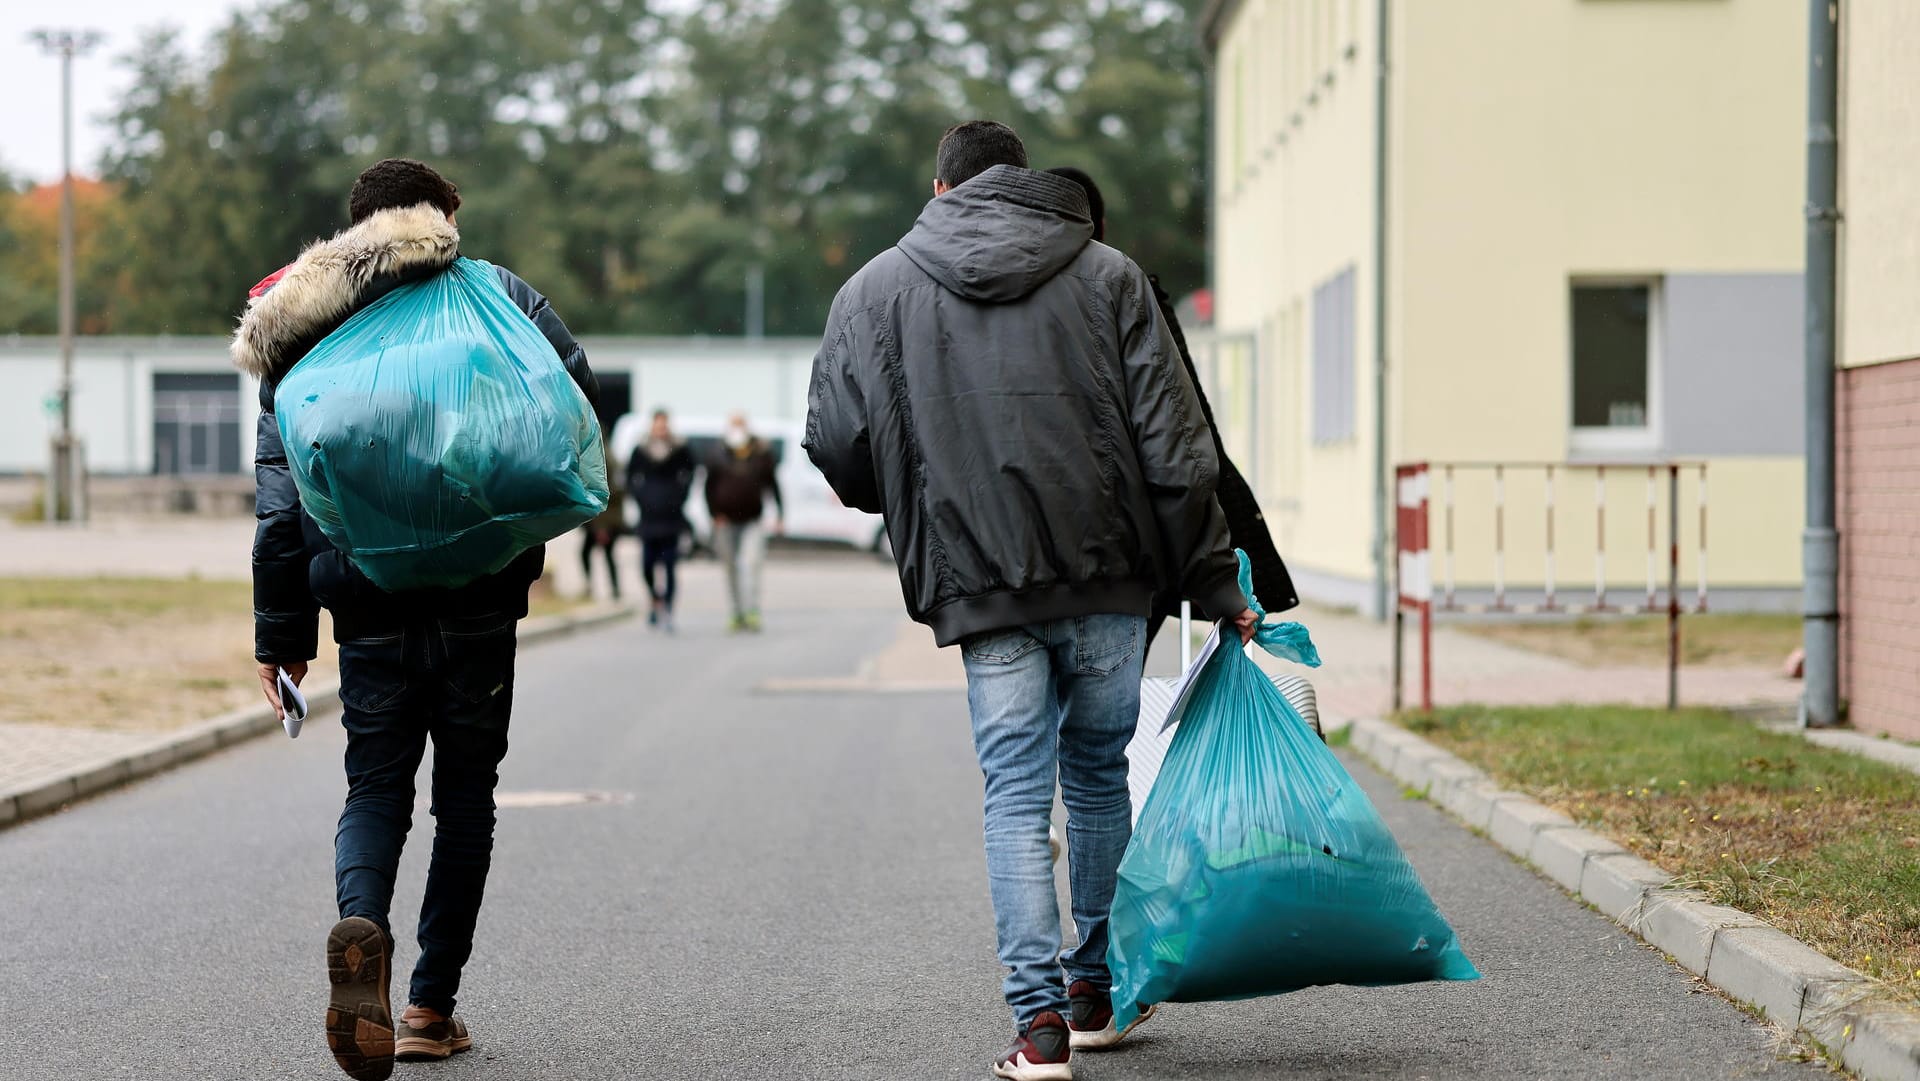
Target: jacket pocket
{"points": [[999, 647], [1102, 644]]}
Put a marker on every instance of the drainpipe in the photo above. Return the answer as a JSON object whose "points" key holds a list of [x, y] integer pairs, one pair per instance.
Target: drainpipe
{"points": [[1820, 704], [1382, 14]]}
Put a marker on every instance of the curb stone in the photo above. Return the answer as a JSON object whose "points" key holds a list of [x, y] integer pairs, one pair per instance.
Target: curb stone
{"points": [[1748, 959], [52, 791]]}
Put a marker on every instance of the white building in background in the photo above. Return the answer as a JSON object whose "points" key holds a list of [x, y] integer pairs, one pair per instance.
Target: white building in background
{"points": [[176, 407]]}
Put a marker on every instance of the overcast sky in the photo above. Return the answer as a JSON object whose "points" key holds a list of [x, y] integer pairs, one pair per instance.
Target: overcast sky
{"points": [[30, 79]]}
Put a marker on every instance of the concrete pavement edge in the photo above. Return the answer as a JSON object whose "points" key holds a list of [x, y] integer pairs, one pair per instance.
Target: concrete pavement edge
{"points": [[57, 788], [1789, 982]]}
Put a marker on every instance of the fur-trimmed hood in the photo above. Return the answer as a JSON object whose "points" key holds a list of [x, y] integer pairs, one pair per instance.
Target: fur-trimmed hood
{"points": [[333, 278]]}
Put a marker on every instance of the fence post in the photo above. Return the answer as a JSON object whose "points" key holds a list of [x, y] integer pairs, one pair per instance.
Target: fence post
{"points": [[1673, 587]]}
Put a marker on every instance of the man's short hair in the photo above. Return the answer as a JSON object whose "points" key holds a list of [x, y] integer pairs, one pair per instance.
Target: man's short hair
{"points": [[1096, 205], [400, 182], [969, 149]]}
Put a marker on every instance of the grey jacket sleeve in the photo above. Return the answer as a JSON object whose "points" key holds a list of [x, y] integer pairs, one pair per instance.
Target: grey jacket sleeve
{"points": [[286, 617], [529, 300], [1177, 457], [837, 438]]}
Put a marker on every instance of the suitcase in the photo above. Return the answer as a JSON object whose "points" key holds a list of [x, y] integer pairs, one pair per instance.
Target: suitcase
{"points": [[1148, 748]]}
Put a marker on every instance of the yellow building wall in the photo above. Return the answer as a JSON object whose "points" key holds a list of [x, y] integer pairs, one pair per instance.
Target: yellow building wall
{"points": [[1530, 143], [1293, 204], [1879, 314]]}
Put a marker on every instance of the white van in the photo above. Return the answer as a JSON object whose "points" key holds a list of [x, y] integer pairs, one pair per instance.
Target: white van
{"points": [[813, 512]]}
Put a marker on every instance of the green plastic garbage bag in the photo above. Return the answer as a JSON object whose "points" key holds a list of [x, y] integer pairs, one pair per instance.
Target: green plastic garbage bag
{"points": [[435, 435], [1258, 866]]}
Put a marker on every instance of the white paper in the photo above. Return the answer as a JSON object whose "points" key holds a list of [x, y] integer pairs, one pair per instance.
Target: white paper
{"points": [[1184, 691], [293, 704]]}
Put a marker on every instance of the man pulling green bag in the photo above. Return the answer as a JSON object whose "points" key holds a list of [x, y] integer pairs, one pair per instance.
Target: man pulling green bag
{"points": [[1257, 865], [435, 435]]}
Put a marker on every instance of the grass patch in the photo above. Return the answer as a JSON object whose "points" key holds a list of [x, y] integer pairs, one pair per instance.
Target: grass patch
{"points": [[1823, 844], [1714, 638], [127, 653]]}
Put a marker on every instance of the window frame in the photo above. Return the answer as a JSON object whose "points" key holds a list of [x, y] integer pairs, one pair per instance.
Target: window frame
{"points": [[1609, 442]]}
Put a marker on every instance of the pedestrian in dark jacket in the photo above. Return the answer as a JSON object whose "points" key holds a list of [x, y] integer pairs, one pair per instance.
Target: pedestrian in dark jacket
{"points": [[1006, 392], [413, 664], [659, 478], [741, 474], [1248, 526]]}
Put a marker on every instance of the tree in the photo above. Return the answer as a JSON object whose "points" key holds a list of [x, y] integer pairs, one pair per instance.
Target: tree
{"points": [[636, 161]]}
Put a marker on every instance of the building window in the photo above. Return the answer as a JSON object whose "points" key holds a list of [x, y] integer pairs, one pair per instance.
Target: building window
{"points": [[1333, 368], [196, 423], [1614, 354]]}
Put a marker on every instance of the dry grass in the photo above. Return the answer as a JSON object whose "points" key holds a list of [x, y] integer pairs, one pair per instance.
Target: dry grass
{"points": [[1822, 844], [1603, 641], [132, 654]]}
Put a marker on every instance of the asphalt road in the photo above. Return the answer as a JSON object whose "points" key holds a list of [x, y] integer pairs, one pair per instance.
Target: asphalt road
{"points": [[786, 886]]}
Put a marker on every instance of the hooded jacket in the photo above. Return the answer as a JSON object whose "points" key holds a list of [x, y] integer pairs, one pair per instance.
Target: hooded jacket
{"points": [[660, 485], [1004, 390], [295, 569]]}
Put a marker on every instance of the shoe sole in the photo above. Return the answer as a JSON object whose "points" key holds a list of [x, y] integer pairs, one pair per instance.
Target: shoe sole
{"points": [[359, 1015], [1107, 1038], [421, 1049], [1052, 1071]]}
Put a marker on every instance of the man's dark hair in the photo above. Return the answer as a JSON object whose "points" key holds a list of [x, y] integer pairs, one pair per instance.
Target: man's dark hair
{"points": [[969, 149], [400, 182], [1095, 204]]}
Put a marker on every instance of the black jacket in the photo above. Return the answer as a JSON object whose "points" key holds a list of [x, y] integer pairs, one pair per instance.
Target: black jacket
{"points": [[295, 569], [659, 488], [1271, 582], [1005, 392], [739, 481]]}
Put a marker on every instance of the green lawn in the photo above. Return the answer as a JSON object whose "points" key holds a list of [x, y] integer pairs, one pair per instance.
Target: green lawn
{"points": [[1733, 638], [1823, 844]]}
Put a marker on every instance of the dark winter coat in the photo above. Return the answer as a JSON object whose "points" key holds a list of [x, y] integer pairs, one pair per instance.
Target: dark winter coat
{"points": [[296, 570], [739, 481], [1271, 582], [1004, 390], [659, 488]]}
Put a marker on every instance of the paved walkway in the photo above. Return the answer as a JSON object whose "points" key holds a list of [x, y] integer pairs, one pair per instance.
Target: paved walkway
{"points": [[782, 886]]}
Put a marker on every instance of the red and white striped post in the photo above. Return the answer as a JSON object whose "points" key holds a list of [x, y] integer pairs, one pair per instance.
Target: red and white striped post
{"points": [[1413, 577]]}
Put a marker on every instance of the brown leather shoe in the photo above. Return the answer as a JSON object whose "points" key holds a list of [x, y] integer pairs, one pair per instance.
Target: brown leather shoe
{"points": [[427, 1034], [359, 1014]]}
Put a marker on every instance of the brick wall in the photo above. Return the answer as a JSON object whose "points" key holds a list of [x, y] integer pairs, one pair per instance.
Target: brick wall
{"points": [[1879, 466]]}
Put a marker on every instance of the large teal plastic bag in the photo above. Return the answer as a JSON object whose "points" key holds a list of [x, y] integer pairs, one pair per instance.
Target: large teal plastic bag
{"points": [[1258, 866], [435, 435]]}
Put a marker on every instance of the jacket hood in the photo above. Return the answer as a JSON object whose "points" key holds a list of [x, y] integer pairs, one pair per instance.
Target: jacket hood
{"points": [[327, 282], [1001, 235]]}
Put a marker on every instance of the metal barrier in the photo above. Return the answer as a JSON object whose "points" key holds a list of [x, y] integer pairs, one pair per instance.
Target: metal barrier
{"points": [[1414, 588]]}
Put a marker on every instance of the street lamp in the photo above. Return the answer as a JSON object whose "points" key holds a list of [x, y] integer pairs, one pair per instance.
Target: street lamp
{"points": [[65, 473]]}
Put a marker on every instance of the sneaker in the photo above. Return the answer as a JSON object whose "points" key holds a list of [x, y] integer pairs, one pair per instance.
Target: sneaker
{"points": [[653, 616], [1041, 1053], [427, 1034], [359, 1013], [1092, 1024], [738, 625], [751, 621]]}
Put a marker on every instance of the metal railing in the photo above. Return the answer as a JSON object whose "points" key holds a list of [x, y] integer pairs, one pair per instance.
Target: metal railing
{"points": [[1414, 589]]}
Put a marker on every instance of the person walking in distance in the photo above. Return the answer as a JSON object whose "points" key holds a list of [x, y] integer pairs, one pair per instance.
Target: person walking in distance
{"points": [[413, 665], [740, 476], [659, 478], [600, 535], [1245, 522], [1005, 391]]}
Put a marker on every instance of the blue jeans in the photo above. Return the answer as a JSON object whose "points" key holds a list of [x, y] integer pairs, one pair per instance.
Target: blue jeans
{"points": [[1054, 699], [451, 680]]}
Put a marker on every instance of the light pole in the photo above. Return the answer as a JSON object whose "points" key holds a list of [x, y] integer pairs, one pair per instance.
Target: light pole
{"points": [[65, 470]]}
